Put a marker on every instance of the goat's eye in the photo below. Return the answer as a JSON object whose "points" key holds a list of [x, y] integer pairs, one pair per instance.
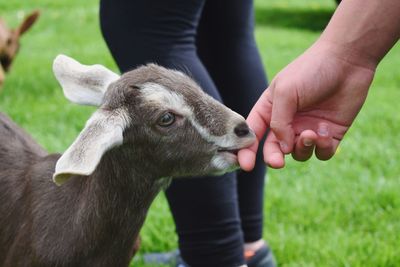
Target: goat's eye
{"points": [[167, 119]]}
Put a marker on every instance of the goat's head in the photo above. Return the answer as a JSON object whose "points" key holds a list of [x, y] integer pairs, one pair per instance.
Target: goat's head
{"points": [[162, 114], [9, 41]]}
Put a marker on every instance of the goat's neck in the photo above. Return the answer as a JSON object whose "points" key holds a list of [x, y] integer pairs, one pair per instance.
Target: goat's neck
{"points": [[123, 188]]}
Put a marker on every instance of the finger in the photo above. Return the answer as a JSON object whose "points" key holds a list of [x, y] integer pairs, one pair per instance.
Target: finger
{"points": [[325, 144], [326, 150], [273, 156], [258, 121], [247, 157], [304, 146], [260, 115], [284, 107]]}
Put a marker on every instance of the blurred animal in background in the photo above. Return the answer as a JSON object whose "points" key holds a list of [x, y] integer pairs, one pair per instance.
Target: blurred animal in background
{"points": [[9, 42]]}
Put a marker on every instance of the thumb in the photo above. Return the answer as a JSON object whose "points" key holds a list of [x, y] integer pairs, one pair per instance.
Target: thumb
{"points": [[284, 107]]}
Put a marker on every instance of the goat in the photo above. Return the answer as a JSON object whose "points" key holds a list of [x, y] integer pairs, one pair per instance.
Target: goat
{"points": [[152, 124], [9, 42]]}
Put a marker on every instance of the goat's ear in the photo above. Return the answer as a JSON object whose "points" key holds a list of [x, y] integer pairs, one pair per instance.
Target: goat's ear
{"points": [[102, 132], [28, 22], [82, 84], [2, 76]]}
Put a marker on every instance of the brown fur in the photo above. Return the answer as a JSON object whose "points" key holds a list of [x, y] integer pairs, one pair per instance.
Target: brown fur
{"points": [[9, 42], [95, 220]]}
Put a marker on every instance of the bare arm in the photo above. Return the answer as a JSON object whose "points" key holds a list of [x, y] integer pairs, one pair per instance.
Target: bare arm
{"points": [[313, 101], [364, 30]]}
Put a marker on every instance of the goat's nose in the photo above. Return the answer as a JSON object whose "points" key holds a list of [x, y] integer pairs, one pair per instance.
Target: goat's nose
{"points": [[242, 129]]}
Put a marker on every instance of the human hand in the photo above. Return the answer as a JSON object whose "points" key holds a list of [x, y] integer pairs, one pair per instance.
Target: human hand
{"points": [[309, 106]]}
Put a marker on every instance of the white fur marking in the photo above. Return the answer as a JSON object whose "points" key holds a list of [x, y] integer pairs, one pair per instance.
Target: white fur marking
{"points": [[220, 163], [159, 94], [227, 140]]}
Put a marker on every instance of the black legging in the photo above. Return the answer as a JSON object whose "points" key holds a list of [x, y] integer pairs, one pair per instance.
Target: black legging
{"points": [[213, 42]]}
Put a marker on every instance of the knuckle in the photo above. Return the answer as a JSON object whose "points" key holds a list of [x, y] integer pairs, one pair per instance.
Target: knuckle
{"points": [[282, 86]]}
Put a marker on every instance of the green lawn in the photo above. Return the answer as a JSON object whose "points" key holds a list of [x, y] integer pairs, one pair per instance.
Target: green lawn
{"points": [[344, 212]]}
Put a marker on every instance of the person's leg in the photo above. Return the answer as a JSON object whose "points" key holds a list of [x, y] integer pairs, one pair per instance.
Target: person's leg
{"points": [[205, 209], [227, 47]]}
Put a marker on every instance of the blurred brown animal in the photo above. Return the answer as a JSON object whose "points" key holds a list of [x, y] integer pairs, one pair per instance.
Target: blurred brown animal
{"points": [[9, 42]]}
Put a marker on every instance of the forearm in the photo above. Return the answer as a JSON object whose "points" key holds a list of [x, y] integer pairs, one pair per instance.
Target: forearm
{"points": [[363, 31]]}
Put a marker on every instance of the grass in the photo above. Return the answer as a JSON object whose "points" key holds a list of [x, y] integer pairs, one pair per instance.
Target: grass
{"points": [[344, 212]]}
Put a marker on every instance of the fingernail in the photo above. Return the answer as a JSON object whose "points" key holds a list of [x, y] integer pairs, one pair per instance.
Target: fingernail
{"points": [[307, 142], [323, 130], [283, 145]]}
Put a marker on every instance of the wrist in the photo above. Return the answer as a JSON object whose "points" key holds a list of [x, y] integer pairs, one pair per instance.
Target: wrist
{"points": [[347, 53], [363, 31]]}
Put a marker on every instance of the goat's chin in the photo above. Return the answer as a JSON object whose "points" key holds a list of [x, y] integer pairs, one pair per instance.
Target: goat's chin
{"points": [[224, 162]]}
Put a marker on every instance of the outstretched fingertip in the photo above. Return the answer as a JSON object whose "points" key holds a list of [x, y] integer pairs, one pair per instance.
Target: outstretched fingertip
{"points": [[247, 159], [275, 161]]}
